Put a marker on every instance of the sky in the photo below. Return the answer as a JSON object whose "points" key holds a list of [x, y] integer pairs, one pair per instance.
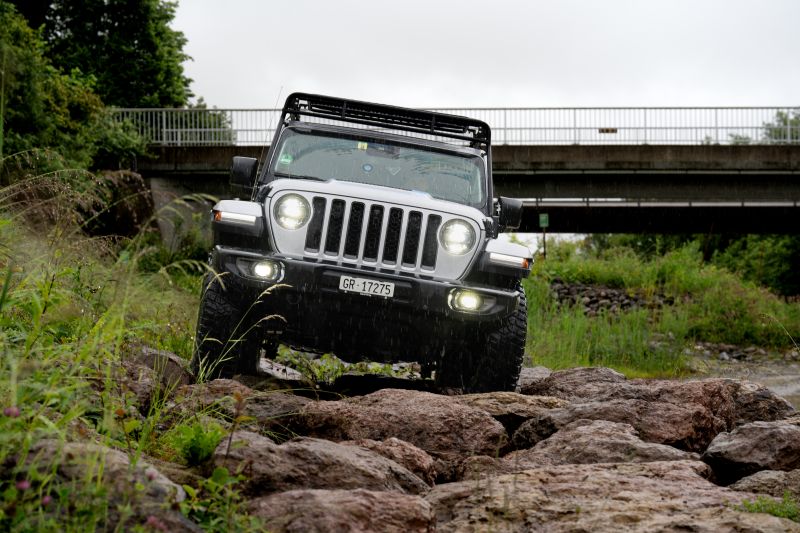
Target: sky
{"points": [[503, 53]]}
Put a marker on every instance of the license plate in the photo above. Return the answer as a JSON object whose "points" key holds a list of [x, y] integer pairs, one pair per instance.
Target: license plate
{"points": [[366, 286]]}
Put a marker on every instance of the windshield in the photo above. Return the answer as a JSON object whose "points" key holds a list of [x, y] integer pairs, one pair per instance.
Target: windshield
{"points": [[445, 175]]}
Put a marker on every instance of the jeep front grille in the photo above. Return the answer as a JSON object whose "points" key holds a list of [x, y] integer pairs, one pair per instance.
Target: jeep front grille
{"points": [[388, 234]]}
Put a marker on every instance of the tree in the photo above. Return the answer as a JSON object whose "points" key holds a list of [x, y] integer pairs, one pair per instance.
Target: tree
{"points": [[127, 45], [784, 128], [44, 108]]}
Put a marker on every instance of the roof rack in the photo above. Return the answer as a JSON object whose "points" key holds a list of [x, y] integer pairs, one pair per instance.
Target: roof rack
{"points": [[398, 118]]}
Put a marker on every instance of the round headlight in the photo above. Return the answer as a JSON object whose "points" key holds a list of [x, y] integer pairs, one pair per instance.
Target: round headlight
{"points": [[292, 211], [457, 237]]}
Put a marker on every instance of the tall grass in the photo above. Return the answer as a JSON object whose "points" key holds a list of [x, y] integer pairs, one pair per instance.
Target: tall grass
{"points": [[710, 304], [71, 306]]}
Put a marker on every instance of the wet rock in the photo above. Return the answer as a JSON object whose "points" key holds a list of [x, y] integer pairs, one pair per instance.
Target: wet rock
{"points": [[753, 447], [141, 487], [575, 383], [530, 375], [311, 464], [267, 412], [353, 511], [211, 393], [403, 453], [657, 496], [477, 467], [172, 371], [434, 423], [689, 427], [139, 381], [730, 402], [510, 408], [754, 402], [773, 482], [594, 441]]}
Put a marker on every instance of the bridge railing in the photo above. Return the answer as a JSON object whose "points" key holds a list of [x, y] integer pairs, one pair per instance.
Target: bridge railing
{"points": [[515, 126]]}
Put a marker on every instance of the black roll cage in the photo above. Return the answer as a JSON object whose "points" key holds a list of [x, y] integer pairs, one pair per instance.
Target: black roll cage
{"points": [[456, 127]]}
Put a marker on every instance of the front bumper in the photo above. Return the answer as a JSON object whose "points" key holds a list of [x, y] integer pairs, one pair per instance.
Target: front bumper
{"points": [[319, 280], [317, 315]]}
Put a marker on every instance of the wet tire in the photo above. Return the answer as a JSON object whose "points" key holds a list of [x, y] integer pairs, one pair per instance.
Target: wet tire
{"points": [[493, 361], [225, 342]]}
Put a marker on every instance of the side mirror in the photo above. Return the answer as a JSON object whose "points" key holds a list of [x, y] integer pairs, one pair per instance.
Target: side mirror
{"points": [[510, 213], [243, 171]]}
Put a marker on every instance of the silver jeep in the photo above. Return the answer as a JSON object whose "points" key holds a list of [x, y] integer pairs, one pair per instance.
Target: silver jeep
{"points": [[371, 233]]}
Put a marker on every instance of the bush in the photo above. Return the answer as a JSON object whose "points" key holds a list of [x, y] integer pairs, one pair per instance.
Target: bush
{"points": [[196, 442]]}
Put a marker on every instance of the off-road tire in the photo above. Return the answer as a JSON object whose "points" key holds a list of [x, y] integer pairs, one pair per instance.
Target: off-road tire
{"points": [[493, 361], [223, 345]]}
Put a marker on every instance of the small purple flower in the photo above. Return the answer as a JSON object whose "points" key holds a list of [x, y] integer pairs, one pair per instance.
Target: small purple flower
{"points": [[46, 500], [11, 412], [155, 523], [23, 484]]}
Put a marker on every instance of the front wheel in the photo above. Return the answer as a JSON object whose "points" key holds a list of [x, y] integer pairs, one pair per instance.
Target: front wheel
{"points": [[494, 361], [226, 342]]}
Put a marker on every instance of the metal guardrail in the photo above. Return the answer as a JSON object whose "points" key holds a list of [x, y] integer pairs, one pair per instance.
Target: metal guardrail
{"points": [[513, 126]]}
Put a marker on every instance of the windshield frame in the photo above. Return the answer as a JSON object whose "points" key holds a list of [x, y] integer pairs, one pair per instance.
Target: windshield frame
{"points": [[475, 156]]}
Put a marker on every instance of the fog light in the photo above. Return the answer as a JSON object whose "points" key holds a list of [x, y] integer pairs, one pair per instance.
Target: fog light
{"points": [[466, 300], [266, 270]]}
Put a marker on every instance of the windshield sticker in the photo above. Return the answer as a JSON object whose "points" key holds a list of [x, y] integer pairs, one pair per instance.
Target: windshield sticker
{"points": [[366, 167], [362, 145], [394, 170], [286, 159]]}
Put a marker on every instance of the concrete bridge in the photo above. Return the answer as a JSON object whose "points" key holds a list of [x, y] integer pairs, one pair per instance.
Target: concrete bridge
{"points": [[665, 170]]}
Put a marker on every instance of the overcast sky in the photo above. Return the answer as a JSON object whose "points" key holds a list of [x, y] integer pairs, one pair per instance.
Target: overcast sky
{"points": [[448, 53]]}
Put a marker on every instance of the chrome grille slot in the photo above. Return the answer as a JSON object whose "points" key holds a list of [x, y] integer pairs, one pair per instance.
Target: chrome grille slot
{"points": [[411, 241], [431, 246], [335, 226], [373, 238], [352, 241], [393, 228], [314, 233]]}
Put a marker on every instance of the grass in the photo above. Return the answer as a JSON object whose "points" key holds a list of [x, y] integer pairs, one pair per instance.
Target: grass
{"points": [[787, 507], [710, 304], [71, 307]]}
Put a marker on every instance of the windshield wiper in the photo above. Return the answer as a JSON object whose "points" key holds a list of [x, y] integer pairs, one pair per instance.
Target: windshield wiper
{"points": [[298, 176]]}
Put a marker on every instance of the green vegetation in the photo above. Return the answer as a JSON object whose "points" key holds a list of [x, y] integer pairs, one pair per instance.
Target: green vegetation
{"points": [[99, 37], [785, 508], [196, 441], [72, 308], [710, 304]]}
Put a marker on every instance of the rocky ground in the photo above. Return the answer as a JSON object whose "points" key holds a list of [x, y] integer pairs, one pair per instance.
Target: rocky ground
{"points": [[575, 450]]}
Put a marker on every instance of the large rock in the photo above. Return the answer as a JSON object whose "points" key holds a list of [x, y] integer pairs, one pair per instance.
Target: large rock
{"points": [[657, 496], [267, 412], [510, 408], [753, 447], [311, 464], [773, 482], [733, 402], [689, 427], [323, 511], [403, 453], [575, 383], [142, 488], [437, 424], [529, 375], [594, 441]]}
